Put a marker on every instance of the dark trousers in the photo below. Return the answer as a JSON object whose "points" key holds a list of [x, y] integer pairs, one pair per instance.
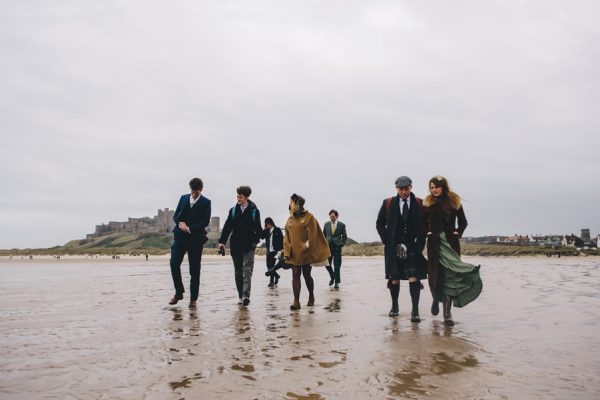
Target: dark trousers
{"points": [[243, 264], [270, 264], [194, 251], [336, 257]]}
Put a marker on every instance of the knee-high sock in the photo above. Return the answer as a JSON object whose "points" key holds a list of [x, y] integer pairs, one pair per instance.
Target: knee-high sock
{"points": [[415, 294], [395, 293]]}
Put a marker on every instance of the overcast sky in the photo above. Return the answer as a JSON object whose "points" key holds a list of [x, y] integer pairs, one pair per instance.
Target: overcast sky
{"points": [[107, 109]]}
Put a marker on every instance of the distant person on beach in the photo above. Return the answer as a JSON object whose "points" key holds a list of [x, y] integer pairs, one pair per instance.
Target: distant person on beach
{"points": [[335, 233], [273, 243], [400, 227], [450, 279], [243, 224], [189, 235], [304, 246]]}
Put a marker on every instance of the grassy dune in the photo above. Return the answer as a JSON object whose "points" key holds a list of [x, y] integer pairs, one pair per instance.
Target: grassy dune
{"points": [[376, 249], [160, 243]]}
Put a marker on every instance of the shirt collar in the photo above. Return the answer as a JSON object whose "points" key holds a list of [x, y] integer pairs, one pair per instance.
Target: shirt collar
{"points": [[194, 201]]}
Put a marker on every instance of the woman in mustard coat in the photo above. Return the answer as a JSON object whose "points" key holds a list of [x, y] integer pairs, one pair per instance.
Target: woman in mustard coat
{"points": [[304, 245]]}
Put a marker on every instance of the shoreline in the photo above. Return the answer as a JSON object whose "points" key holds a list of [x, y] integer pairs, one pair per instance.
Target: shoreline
{"points": [[215, 257]]}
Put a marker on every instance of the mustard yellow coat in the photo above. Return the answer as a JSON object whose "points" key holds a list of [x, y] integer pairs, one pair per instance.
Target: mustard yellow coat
{"points": [[304, 242]]}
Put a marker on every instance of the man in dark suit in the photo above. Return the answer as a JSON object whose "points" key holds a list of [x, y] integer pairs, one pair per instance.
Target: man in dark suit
{"points": [[400, 227], [273, 243], [243, 224], [335, 233], [191, 218]]}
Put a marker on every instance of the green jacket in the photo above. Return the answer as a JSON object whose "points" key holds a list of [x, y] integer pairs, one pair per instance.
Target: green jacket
{"points": [[339, 237]]}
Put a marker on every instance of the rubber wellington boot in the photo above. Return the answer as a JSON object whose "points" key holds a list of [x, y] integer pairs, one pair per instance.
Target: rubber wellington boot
{"points": [[447, 314]]}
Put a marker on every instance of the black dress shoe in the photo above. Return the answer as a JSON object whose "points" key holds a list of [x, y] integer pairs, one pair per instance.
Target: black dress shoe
{"points": [[435, 307], [246, 301], [414, 317], [192, 304], [176, 298], [331, 281], [276, 280], [393, 312], [336, 286], [271, 284]]}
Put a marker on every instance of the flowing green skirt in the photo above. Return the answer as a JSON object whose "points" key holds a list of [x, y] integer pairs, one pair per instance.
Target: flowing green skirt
{"points": [[461, 280]]}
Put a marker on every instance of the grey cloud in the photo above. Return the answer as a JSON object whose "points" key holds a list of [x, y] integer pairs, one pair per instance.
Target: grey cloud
{"points": [[107, 110]]}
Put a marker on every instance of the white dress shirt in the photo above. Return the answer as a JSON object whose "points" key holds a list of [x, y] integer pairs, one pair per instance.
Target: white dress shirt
{"points": [[194, 201], [271, 249]]}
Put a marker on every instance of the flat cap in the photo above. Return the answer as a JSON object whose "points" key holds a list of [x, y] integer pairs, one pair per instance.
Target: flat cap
{"points": [[403, 181]]}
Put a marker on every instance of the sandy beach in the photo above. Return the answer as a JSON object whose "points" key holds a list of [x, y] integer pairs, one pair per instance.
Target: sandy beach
{"points": [[102, 329]]}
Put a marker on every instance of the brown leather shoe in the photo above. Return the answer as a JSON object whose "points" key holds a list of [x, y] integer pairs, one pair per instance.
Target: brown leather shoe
{"points": [[192, 304], [176, 298]]}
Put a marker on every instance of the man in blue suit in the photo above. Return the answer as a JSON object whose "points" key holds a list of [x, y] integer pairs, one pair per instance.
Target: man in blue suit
{"points": [[191, 218]]}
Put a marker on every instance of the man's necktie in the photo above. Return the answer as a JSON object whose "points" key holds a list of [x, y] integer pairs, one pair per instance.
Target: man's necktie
{"points": [[405, 210], [333, 228]]}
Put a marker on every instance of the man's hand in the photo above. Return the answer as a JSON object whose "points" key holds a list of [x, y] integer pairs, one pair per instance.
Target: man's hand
{"points": [[221, 246], [183, 227]]}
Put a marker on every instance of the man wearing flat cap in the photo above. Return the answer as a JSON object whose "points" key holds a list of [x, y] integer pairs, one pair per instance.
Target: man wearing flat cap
{"points": [[399, 224]]}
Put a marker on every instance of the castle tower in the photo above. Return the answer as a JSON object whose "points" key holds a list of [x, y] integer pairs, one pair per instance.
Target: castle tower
{"points": [[585, 235], [215, 224]]}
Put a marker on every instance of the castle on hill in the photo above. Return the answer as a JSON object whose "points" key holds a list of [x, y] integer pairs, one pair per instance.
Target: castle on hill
{"points": [[162, 222]]}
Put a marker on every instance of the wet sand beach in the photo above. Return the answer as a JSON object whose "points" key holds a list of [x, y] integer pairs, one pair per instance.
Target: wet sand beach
{"points": [[102, 329]]}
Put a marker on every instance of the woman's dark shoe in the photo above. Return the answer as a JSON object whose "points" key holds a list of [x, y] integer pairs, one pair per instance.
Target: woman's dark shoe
{"points": [[337, 286], [192, 304], [435, 307], [176, 299], [393, 312], [311, 301], [246, 301], [294, 307], [447, 314], [414, 317]]}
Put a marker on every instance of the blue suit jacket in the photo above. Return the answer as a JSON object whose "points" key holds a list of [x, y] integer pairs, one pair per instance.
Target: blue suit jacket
{"points": [[197, 218]]}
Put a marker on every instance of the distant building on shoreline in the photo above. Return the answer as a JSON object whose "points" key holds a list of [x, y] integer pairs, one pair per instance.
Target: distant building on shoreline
{"points": [[541, 240], [162, 222]]}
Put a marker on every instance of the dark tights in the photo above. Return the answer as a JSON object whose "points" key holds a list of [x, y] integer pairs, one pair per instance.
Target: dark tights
{"points": [[296, 284]]}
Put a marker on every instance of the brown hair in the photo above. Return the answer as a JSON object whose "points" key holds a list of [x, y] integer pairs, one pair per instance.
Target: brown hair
{"points": [[244, 191], [448, 199], [440, 181], [196, 184]]}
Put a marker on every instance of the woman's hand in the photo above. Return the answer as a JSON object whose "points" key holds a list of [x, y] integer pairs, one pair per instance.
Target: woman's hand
{"points": [[428, 233], [455, 232]]}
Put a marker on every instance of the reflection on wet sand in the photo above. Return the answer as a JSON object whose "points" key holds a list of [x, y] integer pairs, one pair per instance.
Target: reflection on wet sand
{"points": [[94, 330]]}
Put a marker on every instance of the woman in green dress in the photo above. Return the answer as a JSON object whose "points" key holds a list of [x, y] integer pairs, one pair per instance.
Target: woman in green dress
{"points": [[451, 280]]}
